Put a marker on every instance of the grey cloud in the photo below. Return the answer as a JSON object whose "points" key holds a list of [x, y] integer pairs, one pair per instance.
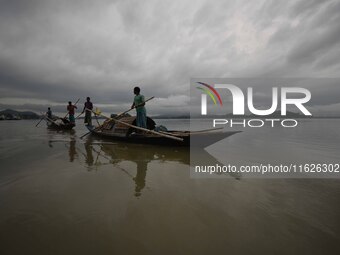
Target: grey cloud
{"points": [[306, 7], [320, 37], [57, 50]]}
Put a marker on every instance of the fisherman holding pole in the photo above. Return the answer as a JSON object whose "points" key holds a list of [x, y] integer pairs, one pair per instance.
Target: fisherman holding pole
{"points": [[71, 109], [139, 103], [49, 113], [88, 107]]}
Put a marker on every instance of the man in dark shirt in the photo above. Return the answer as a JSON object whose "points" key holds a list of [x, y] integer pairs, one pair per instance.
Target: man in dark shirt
{"points": [[88, 107], [49, 113]]}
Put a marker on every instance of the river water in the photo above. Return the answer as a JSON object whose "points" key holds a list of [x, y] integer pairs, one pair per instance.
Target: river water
{"points": [[60, 194]]}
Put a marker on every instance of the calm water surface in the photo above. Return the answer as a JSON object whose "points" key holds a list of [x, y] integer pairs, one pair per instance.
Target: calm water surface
{"points": [[63, 195]]}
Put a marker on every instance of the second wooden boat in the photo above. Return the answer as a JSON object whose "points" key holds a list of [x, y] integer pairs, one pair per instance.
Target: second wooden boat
{"points": [[59, 124]]}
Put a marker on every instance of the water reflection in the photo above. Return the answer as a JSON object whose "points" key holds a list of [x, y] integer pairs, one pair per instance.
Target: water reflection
{"points": [[141, 155], [94, 154], [53, 132], [72, 150], [89, 160], [98, 153], [140, 177]]}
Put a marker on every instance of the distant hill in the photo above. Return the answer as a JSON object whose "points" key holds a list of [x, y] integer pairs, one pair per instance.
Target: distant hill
{"points": [[10, 114]]}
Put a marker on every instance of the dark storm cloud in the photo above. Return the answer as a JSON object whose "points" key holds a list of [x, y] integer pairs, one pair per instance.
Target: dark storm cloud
{"points": [[62, 50]]}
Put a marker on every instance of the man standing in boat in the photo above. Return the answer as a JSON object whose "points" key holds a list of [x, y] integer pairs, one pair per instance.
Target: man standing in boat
{"points": [[139, 103], [49, 113], [88, 107], [71, 109]]}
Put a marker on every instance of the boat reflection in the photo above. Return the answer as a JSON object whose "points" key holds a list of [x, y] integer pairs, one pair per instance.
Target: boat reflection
{"points": [[52, 134], [71, 132], [97, 153]]}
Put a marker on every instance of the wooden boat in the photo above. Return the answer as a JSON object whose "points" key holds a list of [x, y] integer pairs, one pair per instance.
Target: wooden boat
{"points": [[59, 124], [121, 132]]}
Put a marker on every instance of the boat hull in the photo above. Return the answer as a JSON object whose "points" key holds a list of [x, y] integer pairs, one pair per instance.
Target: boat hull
{"points": [[62, 126], [199, 139]]}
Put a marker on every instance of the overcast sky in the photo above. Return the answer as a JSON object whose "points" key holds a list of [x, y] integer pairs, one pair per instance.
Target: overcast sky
{"points": [[55, 51]]}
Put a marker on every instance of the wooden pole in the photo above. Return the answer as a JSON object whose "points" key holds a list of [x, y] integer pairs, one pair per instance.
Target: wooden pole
{"points": [[150, 131], [193, 132], [85, 134], [78, 115], [43, 117], [133, 107]]}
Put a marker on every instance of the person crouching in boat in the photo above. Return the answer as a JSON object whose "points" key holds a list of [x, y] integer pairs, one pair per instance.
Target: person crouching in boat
{"points": [[139, 103], [71, 109], [88, 107]]}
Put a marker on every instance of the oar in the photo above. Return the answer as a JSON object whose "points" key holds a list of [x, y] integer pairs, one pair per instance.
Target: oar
{"points": [[78, 115], [120, 114], [150, 131], [74, 104], [143, 129], [43, 117], [192, 132], [85, 134]]}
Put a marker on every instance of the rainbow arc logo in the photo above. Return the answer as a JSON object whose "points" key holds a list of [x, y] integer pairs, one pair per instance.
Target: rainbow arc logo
{"points": [[239, 102], [210, 91]]}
